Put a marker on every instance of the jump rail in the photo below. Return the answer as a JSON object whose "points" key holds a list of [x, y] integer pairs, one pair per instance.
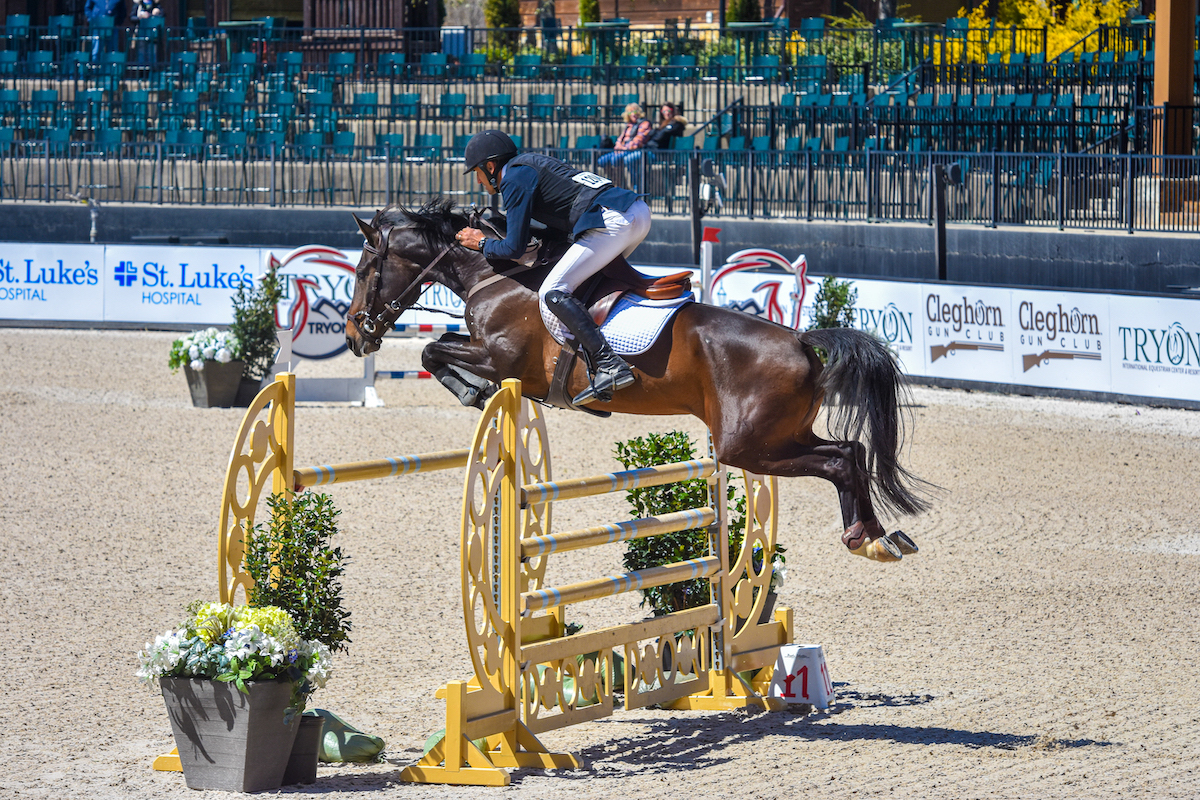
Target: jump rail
{"points": [[264, 450], [531, 677]]}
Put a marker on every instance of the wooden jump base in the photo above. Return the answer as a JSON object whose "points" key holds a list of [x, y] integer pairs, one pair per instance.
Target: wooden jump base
{"points": [[530, 677]]}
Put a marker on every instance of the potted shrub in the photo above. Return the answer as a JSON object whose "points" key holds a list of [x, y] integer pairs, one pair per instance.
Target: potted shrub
{"points": [[233, 679], [212, 361], [254, 327], [295, 567]]}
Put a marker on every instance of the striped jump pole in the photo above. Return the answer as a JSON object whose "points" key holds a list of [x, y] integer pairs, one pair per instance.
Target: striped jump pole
{"points": [[395, 466]]}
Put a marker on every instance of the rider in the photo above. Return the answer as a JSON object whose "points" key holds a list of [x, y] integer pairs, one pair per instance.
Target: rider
{"points": [[602, 221]]}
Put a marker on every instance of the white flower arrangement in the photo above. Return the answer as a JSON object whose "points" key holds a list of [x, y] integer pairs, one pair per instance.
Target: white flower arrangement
{"points": [[209, 344], [239, 644]]}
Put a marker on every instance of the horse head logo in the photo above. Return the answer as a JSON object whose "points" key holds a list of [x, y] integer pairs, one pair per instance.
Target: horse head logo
{"points": [[759, 258]]}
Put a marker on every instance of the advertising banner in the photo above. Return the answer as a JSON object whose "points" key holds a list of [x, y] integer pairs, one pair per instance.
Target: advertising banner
{"points": [[52, 282], [1155, 347], [1136, 346], [1061, 339], [151, 283]]}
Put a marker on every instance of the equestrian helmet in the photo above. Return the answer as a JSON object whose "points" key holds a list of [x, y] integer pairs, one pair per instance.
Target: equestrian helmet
{"points": [[489, 145]]}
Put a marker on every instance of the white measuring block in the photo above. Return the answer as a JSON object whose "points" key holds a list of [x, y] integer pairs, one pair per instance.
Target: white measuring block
{"points": [[801, 676]]}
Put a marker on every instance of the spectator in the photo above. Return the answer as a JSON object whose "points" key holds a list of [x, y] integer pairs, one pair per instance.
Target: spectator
{"points": [[98, 9], [628, 150], [144, 9], [671, 124], [146, 41]]}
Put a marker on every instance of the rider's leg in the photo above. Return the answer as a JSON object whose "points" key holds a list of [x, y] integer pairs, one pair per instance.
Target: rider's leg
{"points": [[590, 253]]}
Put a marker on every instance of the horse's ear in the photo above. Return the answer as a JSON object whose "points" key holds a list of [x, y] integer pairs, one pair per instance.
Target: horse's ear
{"points": [[366, 229]]}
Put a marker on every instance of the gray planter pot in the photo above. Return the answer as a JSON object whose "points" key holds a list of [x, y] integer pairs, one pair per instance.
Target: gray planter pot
{"points": [[302, 766], [248, 389], [228, 740], [215, 385]]}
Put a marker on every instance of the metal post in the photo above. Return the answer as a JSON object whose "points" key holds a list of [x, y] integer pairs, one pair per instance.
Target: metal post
{"points": [[273, 198], [46, 177], [1062, 193], [158, 169], [938, 187], [388, 173], [753, 184], [1130, 198], [995, 191], [694, 198], [808, 184]]}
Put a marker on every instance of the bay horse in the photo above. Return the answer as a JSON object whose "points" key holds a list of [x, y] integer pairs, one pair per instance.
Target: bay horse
{"points": [[757, 385]]}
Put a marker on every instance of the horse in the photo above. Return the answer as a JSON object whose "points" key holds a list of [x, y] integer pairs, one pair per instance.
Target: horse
{"points": [[757, 385]]}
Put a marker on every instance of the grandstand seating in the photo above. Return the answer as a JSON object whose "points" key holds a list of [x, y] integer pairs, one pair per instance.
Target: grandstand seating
{"points": [[281, 89]]}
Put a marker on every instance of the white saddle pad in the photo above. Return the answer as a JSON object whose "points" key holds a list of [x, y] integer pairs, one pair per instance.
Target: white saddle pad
{"points": [[633, 326]]}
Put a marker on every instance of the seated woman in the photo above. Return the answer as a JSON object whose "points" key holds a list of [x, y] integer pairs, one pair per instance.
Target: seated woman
{"points": [[671, 124], [628, 150]]}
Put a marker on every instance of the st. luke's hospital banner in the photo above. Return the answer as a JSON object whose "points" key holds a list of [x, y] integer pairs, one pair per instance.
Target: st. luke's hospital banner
{"points": [[1134, 346]]}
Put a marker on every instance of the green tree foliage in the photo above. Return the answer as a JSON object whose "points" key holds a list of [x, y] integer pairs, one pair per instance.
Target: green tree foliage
{"points": [[502, 13], [589, 10], [668, 548], [295, 568], [833, 307], [254, 323], [743, 11]]}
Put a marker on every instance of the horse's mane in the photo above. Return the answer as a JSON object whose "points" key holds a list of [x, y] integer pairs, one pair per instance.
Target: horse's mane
{"points": [[435, 221]]}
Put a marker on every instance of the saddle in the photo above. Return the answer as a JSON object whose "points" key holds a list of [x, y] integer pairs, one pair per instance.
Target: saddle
{"points": [[599, 293]]}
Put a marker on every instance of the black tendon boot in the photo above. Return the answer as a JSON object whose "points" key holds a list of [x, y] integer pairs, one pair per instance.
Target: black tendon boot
{"points": [[471, 390], [608, 371]]}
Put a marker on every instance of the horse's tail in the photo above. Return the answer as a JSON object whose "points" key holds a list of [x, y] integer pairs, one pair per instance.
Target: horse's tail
{"points": [[865, 387]]}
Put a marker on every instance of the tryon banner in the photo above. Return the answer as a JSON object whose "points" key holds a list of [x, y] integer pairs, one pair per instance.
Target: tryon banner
{"points": [[1132, 345]]}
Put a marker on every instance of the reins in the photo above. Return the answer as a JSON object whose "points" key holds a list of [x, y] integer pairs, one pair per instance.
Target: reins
{"points": [[377, 326]]}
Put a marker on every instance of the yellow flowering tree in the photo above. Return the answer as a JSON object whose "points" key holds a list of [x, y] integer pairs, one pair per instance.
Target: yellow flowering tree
{"points": [[1065, 25]]}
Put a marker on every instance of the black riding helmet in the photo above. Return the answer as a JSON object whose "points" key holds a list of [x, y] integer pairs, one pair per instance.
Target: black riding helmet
{"points": [[489, 145]]}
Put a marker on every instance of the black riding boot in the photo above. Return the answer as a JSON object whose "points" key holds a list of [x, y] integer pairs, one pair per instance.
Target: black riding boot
{"points": [[608, 371]]}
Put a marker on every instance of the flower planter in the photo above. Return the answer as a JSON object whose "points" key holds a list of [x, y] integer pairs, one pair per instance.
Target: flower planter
{"points": [[228, 740], [216, 385], [302, 765]]}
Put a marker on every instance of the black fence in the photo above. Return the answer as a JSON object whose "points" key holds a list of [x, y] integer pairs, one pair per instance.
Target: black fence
{"points": [[1106, 192]]}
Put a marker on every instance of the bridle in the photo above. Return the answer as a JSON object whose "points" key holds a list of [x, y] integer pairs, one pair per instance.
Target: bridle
{"points": [[375, 327]]}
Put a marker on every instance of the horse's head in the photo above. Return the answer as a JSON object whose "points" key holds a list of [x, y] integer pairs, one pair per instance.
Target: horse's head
{"points": [[400, 255]]}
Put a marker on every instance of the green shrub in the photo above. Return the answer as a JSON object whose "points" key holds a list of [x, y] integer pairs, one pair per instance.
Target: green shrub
{"points": [[654, 551], [743, 11], [833, 306], [254, 323], [295, 568]]}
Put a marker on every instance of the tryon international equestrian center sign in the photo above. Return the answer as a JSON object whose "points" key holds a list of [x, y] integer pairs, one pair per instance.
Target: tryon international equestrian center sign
{"points": [[1128, 346]]}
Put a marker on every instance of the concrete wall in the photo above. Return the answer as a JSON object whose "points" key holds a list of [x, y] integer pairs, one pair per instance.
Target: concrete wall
{"points": [[1003, 256]]}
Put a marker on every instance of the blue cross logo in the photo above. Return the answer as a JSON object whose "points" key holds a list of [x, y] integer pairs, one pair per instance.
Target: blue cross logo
{"points": [[125, 273]]}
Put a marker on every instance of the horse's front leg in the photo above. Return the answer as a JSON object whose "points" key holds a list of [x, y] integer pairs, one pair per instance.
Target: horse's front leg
{"points": [[462, 366]]}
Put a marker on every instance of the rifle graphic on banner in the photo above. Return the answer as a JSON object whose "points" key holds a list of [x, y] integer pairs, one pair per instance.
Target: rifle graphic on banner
{"points": [[938, 350], [1031, 360]]}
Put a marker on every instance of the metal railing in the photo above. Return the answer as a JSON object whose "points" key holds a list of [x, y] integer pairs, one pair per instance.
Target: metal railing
{"points": [[1108, 192]]}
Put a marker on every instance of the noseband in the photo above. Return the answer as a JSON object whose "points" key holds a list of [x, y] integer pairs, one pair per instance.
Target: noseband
{"points": [[375, 327]]}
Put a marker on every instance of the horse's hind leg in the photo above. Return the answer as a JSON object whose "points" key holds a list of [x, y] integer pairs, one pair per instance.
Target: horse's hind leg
{"points": [[841, 463], [445, 360]]}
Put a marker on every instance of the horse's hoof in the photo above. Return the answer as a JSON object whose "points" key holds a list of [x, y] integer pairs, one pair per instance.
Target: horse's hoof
{"points": [[881, 549], [906, 545]]}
